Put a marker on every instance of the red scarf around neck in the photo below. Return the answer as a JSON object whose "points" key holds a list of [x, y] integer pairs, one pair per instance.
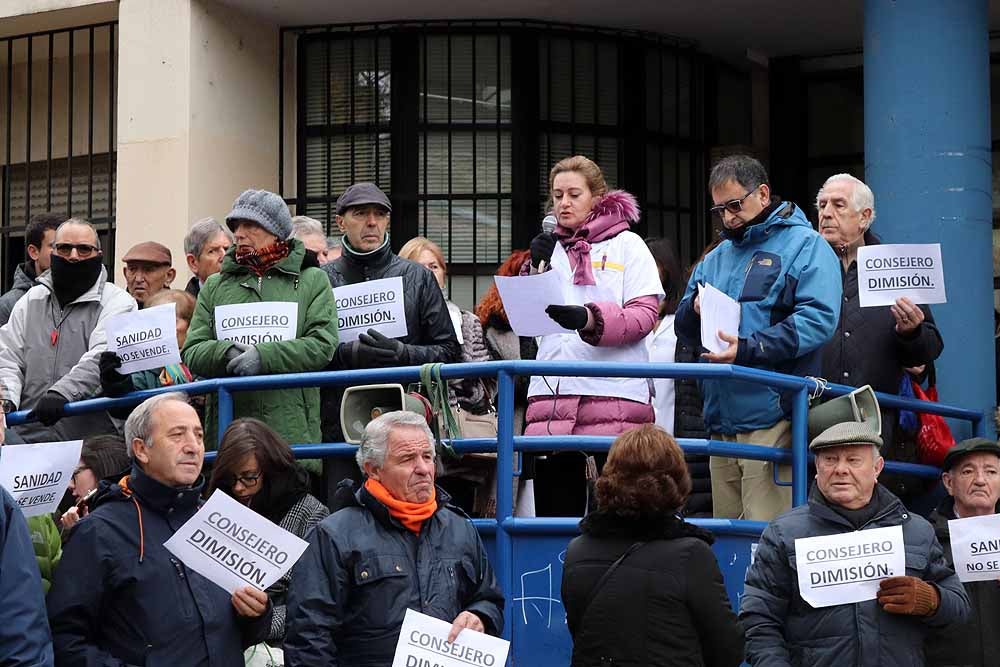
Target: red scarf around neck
{"points": [[411, 515], [262, 259]]}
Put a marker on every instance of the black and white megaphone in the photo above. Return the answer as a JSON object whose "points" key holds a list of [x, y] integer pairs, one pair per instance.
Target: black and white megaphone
{"points": [[364, 403], [860, 405]]}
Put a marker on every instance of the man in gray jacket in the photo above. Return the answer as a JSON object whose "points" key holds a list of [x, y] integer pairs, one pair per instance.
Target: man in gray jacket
{"points": [[49, 348], [783, 629], [38, 240]]}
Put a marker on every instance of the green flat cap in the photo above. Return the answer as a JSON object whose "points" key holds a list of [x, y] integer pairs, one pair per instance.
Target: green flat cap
{"points": [[970, 446], [846, 433]]}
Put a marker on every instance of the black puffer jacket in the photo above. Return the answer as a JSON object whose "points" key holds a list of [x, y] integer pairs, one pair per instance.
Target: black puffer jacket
{"points": [[688, 423], [430, 334], [783, 630], [974, 643], [666, 600]]}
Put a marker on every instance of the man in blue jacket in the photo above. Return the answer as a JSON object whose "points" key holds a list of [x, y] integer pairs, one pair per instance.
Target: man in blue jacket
{"points": [[119, 597], [24, 631], [786, 280]]}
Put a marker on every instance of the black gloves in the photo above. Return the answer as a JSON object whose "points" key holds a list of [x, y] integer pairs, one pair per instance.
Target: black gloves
{"points": [[541, 248], [113, 383], [569, 317], [373, 350], [51, 408]]}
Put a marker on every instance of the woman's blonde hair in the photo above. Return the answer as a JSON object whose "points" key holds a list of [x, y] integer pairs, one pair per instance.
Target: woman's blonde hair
{"points": [[586, 168], [415, 246]]}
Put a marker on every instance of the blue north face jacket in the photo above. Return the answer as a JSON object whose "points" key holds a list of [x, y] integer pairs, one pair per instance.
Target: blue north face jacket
{"points": [[787, 280]]}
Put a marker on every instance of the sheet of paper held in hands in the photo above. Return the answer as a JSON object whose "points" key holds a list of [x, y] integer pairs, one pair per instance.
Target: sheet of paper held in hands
{"points": [[373, 304], [37, 475], [888, 272], [525, 299], [847, 568], [144, 339], [232, 546], [975, 546], [719, 311], [423, 642], [255, 323]]}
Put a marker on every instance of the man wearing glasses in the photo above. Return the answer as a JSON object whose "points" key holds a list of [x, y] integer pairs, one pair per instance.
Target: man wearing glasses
{"points": [[49, 348], [785, 278]]}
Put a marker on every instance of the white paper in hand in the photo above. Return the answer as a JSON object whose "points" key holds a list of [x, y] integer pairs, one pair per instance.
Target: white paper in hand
{"points": [[848, 567], [719, 311], [891, 271], [144, 339], [975, 545], [37, 475], [525, 299], [232, 546], [423, 641], [373, 304]]}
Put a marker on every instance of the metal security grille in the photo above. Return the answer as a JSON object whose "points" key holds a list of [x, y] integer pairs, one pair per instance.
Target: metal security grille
{"points": [[57, 105]]}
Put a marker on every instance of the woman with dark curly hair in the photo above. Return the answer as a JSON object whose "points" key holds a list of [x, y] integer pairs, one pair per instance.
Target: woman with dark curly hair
{"points": [[257, 467], [639, 564]]}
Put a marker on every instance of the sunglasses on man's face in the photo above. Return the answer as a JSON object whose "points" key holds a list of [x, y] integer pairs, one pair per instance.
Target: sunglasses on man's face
{"points": [[83, 250], [734, 206]]}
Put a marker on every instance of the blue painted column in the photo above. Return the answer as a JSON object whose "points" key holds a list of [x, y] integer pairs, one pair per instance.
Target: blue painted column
{"points": [[928, 161]]}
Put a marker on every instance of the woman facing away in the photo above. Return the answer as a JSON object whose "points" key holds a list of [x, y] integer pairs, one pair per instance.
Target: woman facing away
{"points": [[641, 565], [257, 467], [612, 293]]}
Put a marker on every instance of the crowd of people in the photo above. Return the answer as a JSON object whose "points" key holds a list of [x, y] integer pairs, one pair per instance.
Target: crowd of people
{"points": [[392, 537]]}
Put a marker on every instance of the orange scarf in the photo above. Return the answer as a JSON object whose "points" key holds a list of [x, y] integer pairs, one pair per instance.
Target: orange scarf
{"points": [[411, 515]]}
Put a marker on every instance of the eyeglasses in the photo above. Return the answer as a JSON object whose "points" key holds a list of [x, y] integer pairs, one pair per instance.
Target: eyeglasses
{"points": [[734, 206], [84, 250], [78, 470], [247, 480]]}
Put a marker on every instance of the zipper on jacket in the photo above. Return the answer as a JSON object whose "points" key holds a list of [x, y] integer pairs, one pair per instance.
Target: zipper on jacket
{"points": [[177, 566]]}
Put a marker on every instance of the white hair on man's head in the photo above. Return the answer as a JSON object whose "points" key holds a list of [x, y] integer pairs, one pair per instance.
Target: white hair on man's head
{"points": [[375, 442], [303, 225], [140, 423], [862, 196]]}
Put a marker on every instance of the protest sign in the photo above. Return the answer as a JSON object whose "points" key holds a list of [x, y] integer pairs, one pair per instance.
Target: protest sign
{"points": [[423, 642], [255, 323], [144, 339], [525, 299], [847, 568], [719, 312], [232, 546], [975, 546], [37, 475], [889, 272], [374, 304]]}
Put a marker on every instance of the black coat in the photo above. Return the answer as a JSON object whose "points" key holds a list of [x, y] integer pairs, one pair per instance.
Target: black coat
{"points": [[430, 334], [689, 423], [974, 643], [665, 604], [118, 596]]}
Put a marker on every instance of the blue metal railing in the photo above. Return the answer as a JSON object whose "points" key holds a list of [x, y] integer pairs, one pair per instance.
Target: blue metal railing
{"points": [[506, 525]]}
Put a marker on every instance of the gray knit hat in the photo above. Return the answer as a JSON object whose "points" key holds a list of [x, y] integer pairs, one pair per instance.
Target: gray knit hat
{"points": [[264, 208], [846, 433], [105, 455]]}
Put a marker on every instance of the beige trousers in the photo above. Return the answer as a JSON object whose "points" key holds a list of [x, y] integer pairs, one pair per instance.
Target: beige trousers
{"points": [[745, 488]]}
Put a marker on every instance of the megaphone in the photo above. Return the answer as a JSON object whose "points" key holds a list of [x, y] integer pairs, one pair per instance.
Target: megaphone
{"points": [[363, 403], [860, 405]]}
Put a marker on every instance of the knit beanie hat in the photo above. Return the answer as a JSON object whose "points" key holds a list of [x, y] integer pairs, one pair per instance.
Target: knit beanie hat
{"points": [[264, 208], [105, 455]]}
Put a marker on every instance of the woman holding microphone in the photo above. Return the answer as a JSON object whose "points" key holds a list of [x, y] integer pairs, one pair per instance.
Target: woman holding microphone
{"points": [[612, 292]]}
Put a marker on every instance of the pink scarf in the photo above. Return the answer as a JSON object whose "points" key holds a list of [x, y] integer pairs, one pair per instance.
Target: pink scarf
{"points": [[611, 215]]}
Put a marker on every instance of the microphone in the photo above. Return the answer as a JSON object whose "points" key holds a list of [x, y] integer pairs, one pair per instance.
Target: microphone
{"points": [[549, 223]]}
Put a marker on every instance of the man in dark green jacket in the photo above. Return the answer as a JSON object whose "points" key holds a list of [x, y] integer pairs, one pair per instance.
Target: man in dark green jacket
{"points": [[264, 267]]}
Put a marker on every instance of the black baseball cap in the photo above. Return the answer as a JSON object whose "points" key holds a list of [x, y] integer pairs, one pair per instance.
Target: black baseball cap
{"points": [[361, 194], [970, 446]]}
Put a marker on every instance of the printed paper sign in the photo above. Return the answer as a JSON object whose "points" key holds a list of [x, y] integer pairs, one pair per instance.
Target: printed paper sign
{"points": [[375, 304], [847, 568], [975, 546], [719, 312], [889, 272], [423, 642], [525, 299], [232, 546], [255, 323], [144, 339], [38, 475]]}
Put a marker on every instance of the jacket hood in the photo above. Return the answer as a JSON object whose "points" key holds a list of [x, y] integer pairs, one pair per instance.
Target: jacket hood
{"points": [[298, 260], [616, 204], [887, 503], [641, 527], [785, 214], [153, 493], [22, 280], [349, 494], [92, 294]]}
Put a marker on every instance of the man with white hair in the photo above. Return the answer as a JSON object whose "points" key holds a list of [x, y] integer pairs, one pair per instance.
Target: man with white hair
{"points": [[871, 345], [310, 232], [398, 545], [119, 597], [205, 245]]}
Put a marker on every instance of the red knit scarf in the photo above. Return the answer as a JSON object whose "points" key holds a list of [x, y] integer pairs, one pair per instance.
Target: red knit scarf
{"points": [[261, 259], [411, 515]]}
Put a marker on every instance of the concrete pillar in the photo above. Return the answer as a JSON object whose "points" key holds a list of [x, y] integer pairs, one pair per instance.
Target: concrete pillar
{"points": [[928, 160], [197, 117]]}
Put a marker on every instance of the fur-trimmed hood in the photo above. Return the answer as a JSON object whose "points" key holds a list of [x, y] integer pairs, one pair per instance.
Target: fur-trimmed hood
{"points": [[616, 204]]}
